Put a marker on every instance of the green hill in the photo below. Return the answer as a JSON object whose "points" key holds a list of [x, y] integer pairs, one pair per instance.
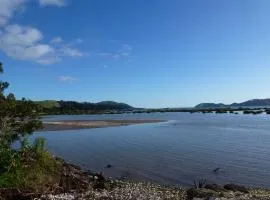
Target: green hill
{"points": [[48, 103], [73, 107], [249, 103]]}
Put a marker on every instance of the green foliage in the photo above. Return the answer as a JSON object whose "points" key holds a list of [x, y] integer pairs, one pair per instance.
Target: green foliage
{"points": [[9, 158], [72, 107], [30, 166], [254, 112], [48, 104], [17, 118]]}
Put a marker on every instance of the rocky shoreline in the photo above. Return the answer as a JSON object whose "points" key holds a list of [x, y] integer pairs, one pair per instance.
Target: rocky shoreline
{"points": [[83, 124], [76, 184]]}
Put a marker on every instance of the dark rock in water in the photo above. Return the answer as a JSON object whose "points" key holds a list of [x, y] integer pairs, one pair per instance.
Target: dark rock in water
{"points": [[125, 175], [235, 188], [216, 170], [109, 166], [215, 187]]}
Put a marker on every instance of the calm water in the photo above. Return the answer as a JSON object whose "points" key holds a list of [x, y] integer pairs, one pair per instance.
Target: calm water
{"points": [[187, 147]]}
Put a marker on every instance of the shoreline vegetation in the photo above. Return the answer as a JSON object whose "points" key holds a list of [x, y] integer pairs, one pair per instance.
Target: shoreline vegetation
{"points": [[245, 111], [70, 182], [86, 124]]}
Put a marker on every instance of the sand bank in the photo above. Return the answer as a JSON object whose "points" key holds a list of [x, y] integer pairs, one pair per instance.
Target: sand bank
{"points": [[82, 124]]}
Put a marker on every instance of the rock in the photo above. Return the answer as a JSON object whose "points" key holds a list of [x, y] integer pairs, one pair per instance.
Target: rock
{"points": [[16, 194], [71, 166], [99, 181], [105, 198], [216, 170], [109, 166], [73, 178], [100, 177], [215, 187], [235, 188], [200, 193]]}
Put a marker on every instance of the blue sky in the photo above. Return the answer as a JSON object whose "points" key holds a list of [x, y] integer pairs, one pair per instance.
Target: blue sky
{"points": [[155, 53]]}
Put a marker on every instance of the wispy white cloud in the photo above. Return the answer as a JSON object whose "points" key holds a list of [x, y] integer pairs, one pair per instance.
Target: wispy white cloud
{"points": [[59, 3], [78, 41], [23, 43], [66, 78], [26, 42], [67, 51], [8, 8], [124, 51], [56, 40]]}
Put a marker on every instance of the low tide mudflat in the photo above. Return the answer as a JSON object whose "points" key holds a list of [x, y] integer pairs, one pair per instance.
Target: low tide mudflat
{"points": [[82, 124]]}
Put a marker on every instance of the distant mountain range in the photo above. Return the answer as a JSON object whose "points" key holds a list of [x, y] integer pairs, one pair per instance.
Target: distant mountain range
{"points": [[73, 107], [249, 103]]}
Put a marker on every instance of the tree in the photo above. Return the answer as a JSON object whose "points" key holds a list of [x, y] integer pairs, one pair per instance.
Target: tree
{"points": [[18, 118], [29, 164]]}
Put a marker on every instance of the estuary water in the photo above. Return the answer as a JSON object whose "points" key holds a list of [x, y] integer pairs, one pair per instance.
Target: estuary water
{"points": [[186, 147]]}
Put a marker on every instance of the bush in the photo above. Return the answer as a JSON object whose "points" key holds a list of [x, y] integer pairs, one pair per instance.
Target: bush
{"points": [[30, 167], [221, 111]]}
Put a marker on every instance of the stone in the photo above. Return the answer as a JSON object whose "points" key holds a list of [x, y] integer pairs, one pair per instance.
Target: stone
{"points": [[235, 188]]}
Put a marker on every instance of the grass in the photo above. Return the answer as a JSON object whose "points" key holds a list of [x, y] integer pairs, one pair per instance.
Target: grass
{"points": [[31, 168], [47, 103]]}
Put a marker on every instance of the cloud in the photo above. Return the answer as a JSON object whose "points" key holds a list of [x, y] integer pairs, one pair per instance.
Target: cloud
{"points": [[66, 78], [78, 41], [59, 3], [22, 43], [124, 51], [72, 52], [25, 43], [56, 40], [8, 8]]}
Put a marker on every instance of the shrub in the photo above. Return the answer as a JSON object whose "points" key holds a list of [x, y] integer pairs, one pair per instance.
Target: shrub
{"points": [[29, 166]]}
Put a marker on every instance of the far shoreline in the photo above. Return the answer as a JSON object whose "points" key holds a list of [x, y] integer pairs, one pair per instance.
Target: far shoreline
{"points": [[88, 124]]}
